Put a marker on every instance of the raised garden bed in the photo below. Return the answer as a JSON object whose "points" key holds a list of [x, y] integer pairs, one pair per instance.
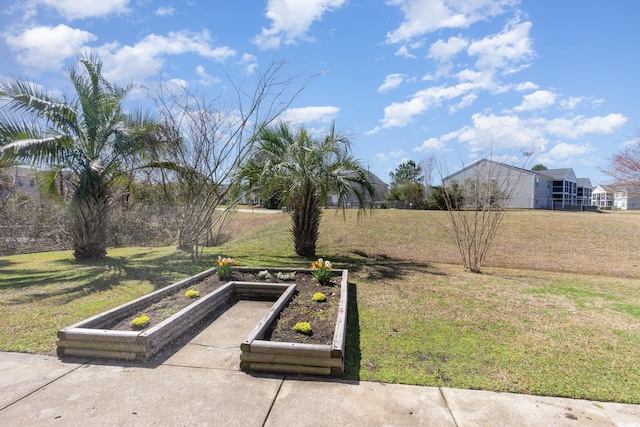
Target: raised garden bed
{"points": [[266, 349], [261, 354]]}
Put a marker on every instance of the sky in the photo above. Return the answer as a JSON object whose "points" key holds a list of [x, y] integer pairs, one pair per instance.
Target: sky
{"points": [[457, 80]]}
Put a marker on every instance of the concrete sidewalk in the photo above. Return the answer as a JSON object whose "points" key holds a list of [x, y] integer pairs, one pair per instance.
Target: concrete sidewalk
{"points": [[201, 384]]}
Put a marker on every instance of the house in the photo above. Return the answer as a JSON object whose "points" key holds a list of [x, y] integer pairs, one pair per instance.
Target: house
{"points": [[585, 189], [614, 197], [381, 190], [544, 189], [565, 187], [15, 179], [602, 197]]}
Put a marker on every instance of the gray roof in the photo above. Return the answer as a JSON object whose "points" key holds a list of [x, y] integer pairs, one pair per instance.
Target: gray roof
{"points": [[474, 164], [557, 174], [584, 183]]}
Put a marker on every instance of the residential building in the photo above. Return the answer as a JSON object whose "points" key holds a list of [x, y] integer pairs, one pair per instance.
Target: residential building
{"points": [[614, 197], [565, 187], [14, 179], [544, 189], [602, 197], [585, 189], [381, 190]]}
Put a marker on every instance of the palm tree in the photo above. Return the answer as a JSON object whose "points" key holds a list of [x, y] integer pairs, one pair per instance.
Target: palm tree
{"points": [[302, 172], [90, 135]]}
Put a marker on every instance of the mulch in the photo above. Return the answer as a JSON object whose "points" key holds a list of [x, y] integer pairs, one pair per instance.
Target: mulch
{"points": [[321, 315]]}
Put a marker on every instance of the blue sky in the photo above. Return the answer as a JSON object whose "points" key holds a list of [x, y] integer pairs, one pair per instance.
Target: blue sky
{"points": [[405, 79]]}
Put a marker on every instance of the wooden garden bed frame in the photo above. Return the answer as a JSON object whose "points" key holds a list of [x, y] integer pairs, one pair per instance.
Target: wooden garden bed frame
{"points": [[297, 358], [89, 338]]}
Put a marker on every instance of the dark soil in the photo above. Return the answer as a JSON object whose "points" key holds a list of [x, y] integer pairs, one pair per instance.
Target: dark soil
{"points": [[321, 315]]}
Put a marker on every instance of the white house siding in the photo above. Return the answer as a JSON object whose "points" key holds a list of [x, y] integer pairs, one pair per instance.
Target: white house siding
{"points": [[527, 192], [602, 197]]}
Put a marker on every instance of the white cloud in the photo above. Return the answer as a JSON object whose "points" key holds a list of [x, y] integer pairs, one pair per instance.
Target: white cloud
{"points": [[46, 48], [578, 126], [430, 145], [564, 151], [74, 9], [165, 11], [302, 115], [146, 58], [571, 103], [205, 78], [496, 133], [404, 52], [537, 100], [424, 16], [527, 86], [509, 50], [400, 114], [503, 132], [291, 20], [392, 81], [445, 50], [465, 102]]}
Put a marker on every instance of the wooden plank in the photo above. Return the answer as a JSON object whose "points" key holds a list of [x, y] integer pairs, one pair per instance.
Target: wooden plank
{"points": [[260, 329], [250, 286], [290, 349], [279, 359], [290, 369], [340, 332], [81, 352], [103, 335], [195, 311], [98, 345]]}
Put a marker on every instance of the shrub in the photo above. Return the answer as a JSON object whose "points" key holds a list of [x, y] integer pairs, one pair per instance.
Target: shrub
{"points": [[225, 267], [303, 328], [192, 293], [321, 270], [140, 322], [319, 297], [264, 275], [286, 276]]}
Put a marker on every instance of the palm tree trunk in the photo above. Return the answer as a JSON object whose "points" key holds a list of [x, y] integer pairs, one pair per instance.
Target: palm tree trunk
{"points": [[89, 215], [305, 218]]}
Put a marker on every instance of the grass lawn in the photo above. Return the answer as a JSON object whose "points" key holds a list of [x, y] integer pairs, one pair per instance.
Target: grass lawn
{"points": [[556, 311]]}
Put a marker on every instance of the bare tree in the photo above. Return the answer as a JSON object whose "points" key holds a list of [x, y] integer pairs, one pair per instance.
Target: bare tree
{"points": [[476, 199], [428, 165], [207, 139], [624, 167]]}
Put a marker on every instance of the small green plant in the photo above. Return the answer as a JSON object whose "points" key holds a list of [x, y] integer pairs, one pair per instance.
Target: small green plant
{"points": [[225, 267], [286, 276], [303, 328], [321, 270], [264, 275], [140, 322], [319, 297], [192, 293]]}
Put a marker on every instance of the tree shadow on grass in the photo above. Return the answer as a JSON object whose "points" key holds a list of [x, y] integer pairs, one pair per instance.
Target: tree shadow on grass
{"points": [[380, 266], [87, 277], [353, 355]]}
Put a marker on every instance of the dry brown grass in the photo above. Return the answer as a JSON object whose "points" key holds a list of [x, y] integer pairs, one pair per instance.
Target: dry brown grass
{"points": [[593, 243]]}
